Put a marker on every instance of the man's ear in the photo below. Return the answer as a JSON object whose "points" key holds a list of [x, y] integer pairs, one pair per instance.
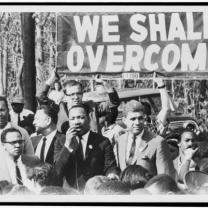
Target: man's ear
{"points": [[49, 120]]}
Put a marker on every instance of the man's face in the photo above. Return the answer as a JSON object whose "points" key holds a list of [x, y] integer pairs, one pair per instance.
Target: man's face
{"points": [[134, 122], [17, 107], [14, 144], [74, 95], [187, 141], [41, 121], [4, 114], [79, 119]]}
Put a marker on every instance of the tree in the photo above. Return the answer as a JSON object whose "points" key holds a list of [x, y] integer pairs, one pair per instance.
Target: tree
{"points": [[29, 72]]}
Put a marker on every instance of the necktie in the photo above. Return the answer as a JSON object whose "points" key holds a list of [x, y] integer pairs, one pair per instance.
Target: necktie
{"points": [[42, 151], [80, 149], [132, 151], [18, 175], [18, 121]]}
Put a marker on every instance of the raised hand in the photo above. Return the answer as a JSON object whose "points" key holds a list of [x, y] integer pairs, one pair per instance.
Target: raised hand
{"points": [[189, 153]]}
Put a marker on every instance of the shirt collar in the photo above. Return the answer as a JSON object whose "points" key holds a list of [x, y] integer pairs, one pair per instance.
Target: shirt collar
{"points": [[85, 136], [51, 135], [139, 136]]}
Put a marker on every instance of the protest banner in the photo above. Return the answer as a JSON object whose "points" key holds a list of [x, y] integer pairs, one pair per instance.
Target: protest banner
{"points": [[173, 43]]}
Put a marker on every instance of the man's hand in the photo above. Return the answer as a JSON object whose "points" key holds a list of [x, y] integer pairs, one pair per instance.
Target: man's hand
{"points": [[107, 86], [158, 81], [52, 78], [189, 153], [70, 134]]}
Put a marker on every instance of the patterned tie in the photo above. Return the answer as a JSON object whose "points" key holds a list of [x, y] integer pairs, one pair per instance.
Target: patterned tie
{"points": [[18, 175], [132, 151], [42, 152]]}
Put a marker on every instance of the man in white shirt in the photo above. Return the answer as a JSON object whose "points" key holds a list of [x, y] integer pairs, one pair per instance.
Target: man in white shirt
{"points": [[45, 124], [185, 161], [140, 146], [21, 116], [13, 161], [5, 123]]}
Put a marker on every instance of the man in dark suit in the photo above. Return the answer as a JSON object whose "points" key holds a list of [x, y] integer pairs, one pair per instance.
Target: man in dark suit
{"points": [[142, 147], [13, 161], [74, 95], [45, 124], [83, 154]]}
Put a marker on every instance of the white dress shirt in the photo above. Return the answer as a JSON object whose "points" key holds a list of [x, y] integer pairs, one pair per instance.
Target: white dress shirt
{"points": [[49, 139], [12, 169], [130, 141]]}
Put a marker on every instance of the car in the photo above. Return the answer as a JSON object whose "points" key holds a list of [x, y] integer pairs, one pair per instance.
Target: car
{"points": [[149, 95]]}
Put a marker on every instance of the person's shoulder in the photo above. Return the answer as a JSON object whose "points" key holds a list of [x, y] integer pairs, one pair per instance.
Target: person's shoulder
{"points": [[26, 111], [154, 138]]}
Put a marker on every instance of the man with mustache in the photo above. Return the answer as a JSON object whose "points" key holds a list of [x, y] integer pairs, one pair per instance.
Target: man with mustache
{"points": [[185, 161], [140, 146], [83, 153]]}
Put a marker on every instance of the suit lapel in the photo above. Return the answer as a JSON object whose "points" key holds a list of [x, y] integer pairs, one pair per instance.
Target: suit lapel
{"points": [[35, 141], [142, 146], [50, 152], [90, 145]]}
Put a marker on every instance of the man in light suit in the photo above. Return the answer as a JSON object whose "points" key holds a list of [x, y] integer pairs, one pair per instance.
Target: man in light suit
{"points": [[140, 146], [83, 154], [13, 161], [45, 124]]}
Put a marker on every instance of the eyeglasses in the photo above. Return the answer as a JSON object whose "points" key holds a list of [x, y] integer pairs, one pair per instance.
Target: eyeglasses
{"points": [[16, 142], [73, 94]]}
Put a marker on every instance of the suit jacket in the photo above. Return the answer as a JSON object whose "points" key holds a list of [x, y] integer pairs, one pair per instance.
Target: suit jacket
{"points": [[153, 154], [96, 110], [50, 154], [99, 160], [28, 160]]}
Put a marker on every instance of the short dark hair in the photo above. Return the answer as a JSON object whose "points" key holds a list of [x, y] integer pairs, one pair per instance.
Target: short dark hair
{"points": [[51, 111], [84, 106], [187, 131], [164, 184], [57, 81], [135, 176], [133, 106], [8, 130], [41, 174], [71, 83]]}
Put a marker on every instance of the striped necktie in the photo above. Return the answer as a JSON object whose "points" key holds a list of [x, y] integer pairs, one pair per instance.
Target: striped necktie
{"points": [[132, 151]]}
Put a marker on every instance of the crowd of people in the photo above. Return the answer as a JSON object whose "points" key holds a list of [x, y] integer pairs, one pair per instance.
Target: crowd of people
{"points": [[71, 146]]}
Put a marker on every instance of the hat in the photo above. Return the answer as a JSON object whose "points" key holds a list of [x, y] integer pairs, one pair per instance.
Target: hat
{"points": [[18, 99]]}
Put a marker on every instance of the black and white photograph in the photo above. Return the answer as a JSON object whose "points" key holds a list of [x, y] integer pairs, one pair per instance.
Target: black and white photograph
{"points": [[103, 100]]}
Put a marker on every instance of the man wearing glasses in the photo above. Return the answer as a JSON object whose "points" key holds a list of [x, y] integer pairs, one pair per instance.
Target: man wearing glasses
{"points": [[140, 146], [6, 123], [13, 161], [73, 96]]}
